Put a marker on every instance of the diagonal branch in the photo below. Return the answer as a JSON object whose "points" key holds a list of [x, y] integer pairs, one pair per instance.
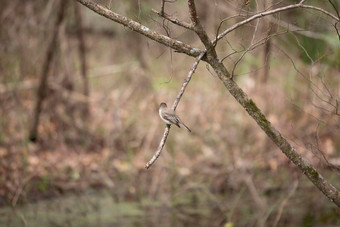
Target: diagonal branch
{"points": [[137, 27], [249, 105], [187, 80], [160, 148], [167, 129]]}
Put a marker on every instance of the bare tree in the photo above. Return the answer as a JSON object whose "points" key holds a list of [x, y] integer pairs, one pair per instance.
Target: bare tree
{"points": [[210, 56], [33, 134], [82, 54]]}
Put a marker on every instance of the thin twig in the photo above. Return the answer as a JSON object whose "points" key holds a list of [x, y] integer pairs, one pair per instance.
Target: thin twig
{"points": [[296, 29], [254, 46], [167, 128], [247, 50], [285, 201], [222, 21], [174, 20], [310, 81], [336, 23], [262, 14], [160, 147], [162, 6], [261, 203], [187, 80], [321, 10]]}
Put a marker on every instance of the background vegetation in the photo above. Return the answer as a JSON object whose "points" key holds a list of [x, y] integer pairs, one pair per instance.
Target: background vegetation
{"points": [[88, 169]]}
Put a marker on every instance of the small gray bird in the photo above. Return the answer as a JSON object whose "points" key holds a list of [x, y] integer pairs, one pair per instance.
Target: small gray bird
{"points": [[169, 116]]}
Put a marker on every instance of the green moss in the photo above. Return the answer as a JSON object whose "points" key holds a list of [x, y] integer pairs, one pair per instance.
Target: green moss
{"points": [[312, 172], [251, 107], [260, 118]]}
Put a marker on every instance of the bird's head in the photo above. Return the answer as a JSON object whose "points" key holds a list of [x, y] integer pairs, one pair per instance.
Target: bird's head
{"points": [[163, 105]]}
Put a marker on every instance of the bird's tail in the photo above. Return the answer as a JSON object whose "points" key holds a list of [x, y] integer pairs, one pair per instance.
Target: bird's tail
{"points": [[186, 126]]}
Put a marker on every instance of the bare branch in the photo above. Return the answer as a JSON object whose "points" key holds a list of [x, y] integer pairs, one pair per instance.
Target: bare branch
{"points": [[254, 45], [163, 5], [174, 20], [187, 80], [174, 106], [320, 10], [325, 187], [193, 12], [334, 7], [296, 29], [247, 50], [198, 28], [337, 13], [137, 27], [222, 21], [160, 147]]}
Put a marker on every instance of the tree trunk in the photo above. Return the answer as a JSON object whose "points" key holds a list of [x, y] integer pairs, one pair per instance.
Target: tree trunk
{"points": [[33, 134], [82, 55]]}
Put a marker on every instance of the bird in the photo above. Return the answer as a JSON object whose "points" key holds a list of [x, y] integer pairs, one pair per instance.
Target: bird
{"points": [[169, 116]]}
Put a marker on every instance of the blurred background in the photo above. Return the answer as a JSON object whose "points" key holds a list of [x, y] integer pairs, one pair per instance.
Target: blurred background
{"points": [[99, 86]]}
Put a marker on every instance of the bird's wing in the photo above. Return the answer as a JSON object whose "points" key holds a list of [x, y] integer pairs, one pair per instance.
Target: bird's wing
{"points": [[172, 118]]}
